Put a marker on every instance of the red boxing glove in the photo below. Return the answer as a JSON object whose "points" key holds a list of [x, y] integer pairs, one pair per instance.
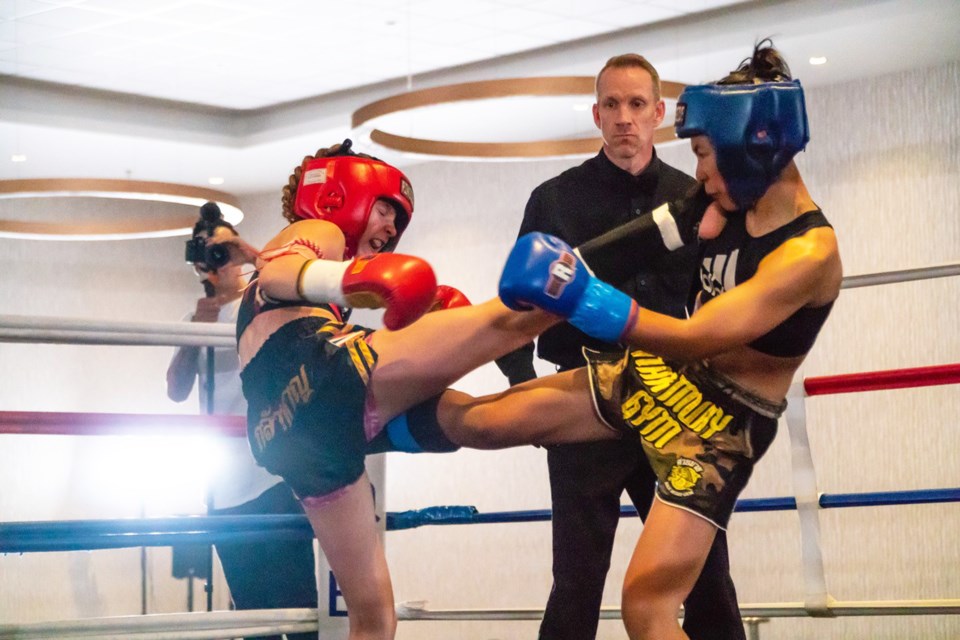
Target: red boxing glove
{"points": [[404, 285], [447, 298]]}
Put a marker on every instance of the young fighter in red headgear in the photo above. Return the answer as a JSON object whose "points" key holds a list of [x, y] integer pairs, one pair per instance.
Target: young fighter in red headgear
{"points": [[323, 393]]}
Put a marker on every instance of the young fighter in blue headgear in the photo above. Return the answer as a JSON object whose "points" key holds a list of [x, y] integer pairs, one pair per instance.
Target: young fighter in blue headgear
{"points": [[701, 395]]}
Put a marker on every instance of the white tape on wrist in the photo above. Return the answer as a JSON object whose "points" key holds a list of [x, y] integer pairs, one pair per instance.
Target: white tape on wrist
{"points": [[668, 227], [322, 281]]}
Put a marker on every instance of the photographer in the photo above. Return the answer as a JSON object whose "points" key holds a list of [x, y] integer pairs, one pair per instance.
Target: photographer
{"points": [[281, 574]]}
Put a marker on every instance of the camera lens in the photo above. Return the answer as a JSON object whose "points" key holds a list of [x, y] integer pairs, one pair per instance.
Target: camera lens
{"points": [[216, 255], [195, 250]]}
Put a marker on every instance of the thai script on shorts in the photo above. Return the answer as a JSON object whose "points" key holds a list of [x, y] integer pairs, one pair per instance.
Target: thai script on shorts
{"points": [[668, 403], [297, 392]]}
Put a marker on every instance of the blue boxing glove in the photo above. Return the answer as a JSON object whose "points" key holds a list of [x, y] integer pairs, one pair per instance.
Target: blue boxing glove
{"points": [[542, 271]]}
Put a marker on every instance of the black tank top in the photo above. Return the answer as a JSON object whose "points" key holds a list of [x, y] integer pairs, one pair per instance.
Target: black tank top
{"points": [[254, 302], [734, 256]]}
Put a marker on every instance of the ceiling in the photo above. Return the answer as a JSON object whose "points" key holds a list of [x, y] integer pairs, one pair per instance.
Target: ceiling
{"points": [[250, 54], [185, 90]]}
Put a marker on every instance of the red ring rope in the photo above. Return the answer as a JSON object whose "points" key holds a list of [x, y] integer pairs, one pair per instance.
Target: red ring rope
{"points": [[877, 380]]}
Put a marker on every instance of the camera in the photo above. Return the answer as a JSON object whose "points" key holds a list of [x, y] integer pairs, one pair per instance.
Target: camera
{"points": [[198, 253]]}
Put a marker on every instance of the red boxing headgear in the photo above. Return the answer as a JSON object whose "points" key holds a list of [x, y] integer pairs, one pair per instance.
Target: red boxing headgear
{"points": [[342, 190]]}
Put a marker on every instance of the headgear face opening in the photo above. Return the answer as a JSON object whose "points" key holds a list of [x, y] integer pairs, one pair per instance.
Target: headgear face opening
{"points": [[342, 190], [755, 130]]}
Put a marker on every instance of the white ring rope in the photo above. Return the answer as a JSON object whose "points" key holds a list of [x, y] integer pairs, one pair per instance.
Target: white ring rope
{"points": [[169, 626], [46, 329], [419, 611], [14, 328], [903, 275], [213, 625]]}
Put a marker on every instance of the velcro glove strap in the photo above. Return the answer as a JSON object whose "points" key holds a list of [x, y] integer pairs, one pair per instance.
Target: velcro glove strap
{"points": [[604, 312]]}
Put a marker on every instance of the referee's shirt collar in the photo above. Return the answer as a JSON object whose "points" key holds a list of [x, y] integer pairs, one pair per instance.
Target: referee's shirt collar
{"points": [[646, 180]]}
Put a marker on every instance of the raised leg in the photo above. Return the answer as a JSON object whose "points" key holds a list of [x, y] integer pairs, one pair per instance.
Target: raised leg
{"points": [[552, 410], [420, 361]]}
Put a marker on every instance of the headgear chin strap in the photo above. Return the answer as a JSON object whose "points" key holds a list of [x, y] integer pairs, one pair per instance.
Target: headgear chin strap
{"points": [[755, 130], [342, 190]]}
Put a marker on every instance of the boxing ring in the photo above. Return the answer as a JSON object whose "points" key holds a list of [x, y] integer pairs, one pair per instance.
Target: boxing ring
{"points": [[76, 535]]}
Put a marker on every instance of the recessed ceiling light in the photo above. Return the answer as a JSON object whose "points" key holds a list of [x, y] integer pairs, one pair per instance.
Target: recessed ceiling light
{"points": [[215, 180], [18, 157], [818, 60]]}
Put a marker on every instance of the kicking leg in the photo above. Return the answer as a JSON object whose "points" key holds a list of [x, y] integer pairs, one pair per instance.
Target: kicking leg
{"points": [[347, 531], [420, 361], [555, 409]]}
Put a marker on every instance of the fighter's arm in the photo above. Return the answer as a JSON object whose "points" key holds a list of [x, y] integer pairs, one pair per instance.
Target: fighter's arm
{"points": [[304, 263], [803, 271], [622, 252], [284, 257], [543, 272]]}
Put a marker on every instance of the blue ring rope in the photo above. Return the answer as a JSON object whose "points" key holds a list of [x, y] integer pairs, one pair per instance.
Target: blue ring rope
{"points": [[82, 535]]}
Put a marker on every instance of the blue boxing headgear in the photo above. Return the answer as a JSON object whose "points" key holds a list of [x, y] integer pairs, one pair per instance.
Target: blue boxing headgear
{"points": [[755, 130]]}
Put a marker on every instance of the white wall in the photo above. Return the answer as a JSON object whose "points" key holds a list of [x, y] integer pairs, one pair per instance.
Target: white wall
{"points": [[884, 163]]}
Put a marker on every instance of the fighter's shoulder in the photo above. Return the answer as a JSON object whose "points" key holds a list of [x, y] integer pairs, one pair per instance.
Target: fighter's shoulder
{"points": [[303, 229]]}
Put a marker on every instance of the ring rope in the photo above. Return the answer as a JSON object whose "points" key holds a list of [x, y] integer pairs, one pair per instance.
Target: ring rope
{"points": [[808, 497], [126, 339], [46, 329], [79, 535], [65, 423], [882, 380], [85, 424], [115, 326], [417, 610], [210, 625], [902, 275], [169, 626]]}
